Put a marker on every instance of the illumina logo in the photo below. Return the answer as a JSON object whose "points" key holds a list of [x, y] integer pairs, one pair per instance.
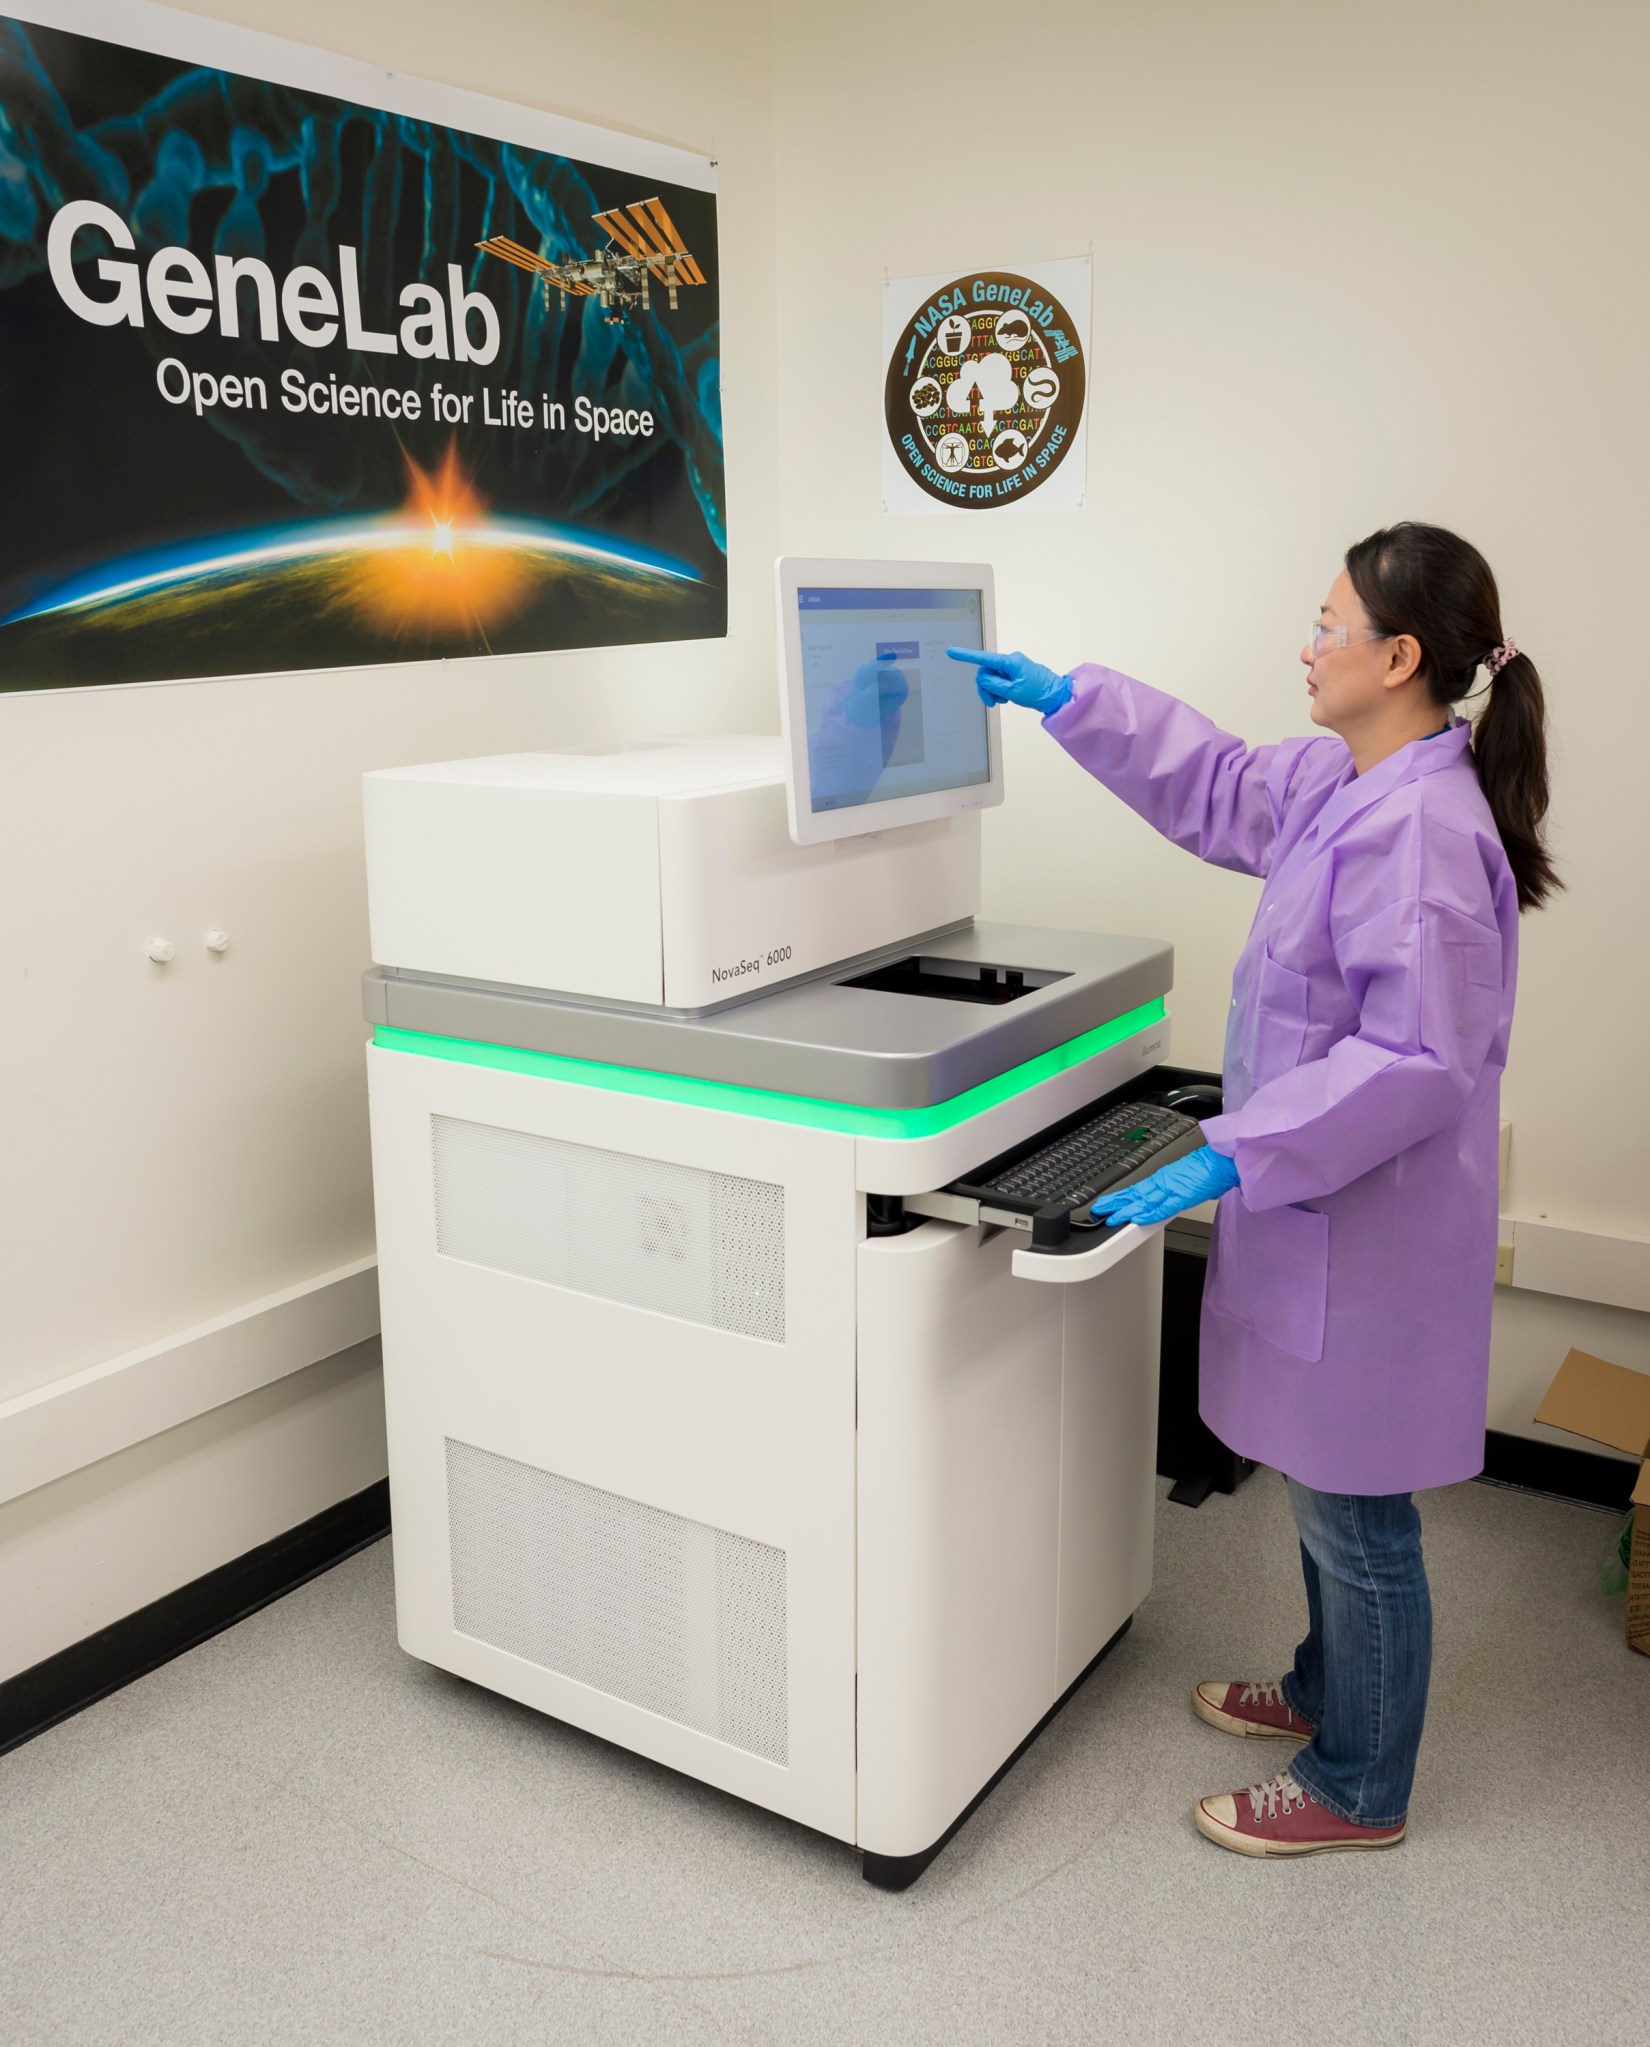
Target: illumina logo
{"points": [[985, 390]]}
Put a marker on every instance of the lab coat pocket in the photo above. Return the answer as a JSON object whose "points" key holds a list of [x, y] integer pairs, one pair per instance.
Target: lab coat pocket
{"points": [[1272, 1275], [1280, 1020]]}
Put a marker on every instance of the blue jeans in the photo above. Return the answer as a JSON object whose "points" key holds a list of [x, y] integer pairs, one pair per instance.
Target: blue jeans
{"points": [[1361, 1674]]}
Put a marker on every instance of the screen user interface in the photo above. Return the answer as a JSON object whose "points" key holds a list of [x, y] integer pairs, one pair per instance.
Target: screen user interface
{"points": [[888, 714]]}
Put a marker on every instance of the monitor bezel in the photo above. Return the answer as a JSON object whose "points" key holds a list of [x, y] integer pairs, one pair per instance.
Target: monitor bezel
{"points": [[814, 828]]}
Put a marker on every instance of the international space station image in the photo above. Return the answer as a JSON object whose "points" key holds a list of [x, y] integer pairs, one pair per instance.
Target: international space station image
{"points": [[643, 250]]}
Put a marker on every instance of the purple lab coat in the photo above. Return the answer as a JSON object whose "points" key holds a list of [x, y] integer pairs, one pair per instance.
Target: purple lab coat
{"points": [[1346, 1319]]}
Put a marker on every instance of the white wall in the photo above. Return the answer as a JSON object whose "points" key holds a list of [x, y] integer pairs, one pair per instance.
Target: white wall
{"points": [[181, 1141], [105, 1540], [1352, 264]]}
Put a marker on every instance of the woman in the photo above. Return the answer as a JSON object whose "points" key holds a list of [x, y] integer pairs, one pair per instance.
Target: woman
{"points": [[1346, 1321]]}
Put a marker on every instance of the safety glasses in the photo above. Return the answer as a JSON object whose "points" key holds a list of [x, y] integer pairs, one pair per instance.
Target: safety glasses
{"points": [[1328, 639]]}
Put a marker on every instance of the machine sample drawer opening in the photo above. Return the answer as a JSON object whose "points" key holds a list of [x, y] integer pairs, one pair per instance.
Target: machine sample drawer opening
{"points": [[646, 1233], [956, 980]]}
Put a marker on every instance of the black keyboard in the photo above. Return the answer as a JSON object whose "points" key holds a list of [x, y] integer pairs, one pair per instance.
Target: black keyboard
{"points": [[1054, 1182], [1086, 1160]]}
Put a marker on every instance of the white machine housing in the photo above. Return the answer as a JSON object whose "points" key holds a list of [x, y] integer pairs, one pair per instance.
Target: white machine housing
{"points": [[682, 1450], [683, 1456], [661, 875]]}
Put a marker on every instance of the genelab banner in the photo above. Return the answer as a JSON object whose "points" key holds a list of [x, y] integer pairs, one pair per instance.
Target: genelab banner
{"points": [[305, 365]]}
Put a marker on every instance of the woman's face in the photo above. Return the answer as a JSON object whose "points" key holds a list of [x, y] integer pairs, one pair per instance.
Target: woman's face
{"points": [[1349, 684]]}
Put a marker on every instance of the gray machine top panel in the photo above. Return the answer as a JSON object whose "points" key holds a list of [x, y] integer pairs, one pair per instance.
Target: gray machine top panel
{"points": [[818, 1037]]}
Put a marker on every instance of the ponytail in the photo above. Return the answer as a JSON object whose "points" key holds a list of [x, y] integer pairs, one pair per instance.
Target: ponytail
{"points": [[1509, 749], [1430, 584]]}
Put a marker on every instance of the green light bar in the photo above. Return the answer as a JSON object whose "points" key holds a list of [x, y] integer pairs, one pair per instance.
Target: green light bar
{"points": [[750, 1101]]}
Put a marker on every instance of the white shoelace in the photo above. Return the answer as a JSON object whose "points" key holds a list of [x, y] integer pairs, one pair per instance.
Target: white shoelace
{"points": [[1262, 1694], [1273, 1799]]}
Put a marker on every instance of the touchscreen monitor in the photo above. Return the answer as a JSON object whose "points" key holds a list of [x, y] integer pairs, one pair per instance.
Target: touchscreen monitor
{"points": [[883, 728]]}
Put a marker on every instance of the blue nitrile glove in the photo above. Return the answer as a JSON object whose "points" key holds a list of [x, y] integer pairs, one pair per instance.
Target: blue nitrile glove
{"points": [[1202, 1175], [1015, 679]]}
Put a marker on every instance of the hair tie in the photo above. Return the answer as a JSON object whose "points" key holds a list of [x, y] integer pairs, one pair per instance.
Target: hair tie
{"points": [[1498, 657]]}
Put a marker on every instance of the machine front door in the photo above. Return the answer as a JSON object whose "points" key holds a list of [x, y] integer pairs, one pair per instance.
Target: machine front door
{"points": [[1006, 1437], [619, 1369]]}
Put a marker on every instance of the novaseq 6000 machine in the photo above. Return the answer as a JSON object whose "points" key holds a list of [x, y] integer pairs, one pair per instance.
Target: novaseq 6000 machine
{"points": [[723, 1163]]}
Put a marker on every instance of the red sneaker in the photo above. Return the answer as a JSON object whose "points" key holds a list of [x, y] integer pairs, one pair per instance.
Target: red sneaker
{"points": [[1279, 1818], [1240, 1708]]}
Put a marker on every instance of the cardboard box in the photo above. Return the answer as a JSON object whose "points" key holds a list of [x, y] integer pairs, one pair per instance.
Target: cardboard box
{"points": [[1608, 1404]]}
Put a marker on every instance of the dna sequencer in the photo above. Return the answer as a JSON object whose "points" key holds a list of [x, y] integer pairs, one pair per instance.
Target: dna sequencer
{"points": [[728, 1418]]}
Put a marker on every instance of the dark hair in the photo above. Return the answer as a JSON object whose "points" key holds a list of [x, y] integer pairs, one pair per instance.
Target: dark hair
{"points": [[1433, 585]]}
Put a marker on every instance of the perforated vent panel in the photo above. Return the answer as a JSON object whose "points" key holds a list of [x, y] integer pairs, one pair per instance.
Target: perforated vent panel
{"points": [[666, 1613], [709, 1247]]}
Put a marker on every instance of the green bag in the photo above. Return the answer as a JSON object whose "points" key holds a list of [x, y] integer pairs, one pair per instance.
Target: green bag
{"points": [[1612, 1573]]}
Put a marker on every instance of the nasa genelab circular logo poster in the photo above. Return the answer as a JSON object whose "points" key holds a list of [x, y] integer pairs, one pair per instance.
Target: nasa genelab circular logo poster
{"points": [[985, 389]]}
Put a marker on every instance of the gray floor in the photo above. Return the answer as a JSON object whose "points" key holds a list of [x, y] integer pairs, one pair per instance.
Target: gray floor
{"points": [[297, 1834]]}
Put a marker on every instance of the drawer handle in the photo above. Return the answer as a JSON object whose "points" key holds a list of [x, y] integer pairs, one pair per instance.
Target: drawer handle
{"points": [[1065, 1268]]}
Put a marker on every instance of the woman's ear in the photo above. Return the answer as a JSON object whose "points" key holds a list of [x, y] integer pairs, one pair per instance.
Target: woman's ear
{"points": [[1403, 660]]}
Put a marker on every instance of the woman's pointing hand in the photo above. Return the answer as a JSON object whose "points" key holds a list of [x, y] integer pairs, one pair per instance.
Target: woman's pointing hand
{"points": [[1015, 679]]}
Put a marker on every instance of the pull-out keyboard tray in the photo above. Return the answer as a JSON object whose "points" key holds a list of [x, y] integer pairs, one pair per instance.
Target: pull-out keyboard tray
{"points": [[1045, 1186]]}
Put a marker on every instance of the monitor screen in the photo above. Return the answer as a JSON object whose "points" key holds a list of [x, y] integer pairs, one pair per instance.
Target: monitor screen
{"points": [[888, 715]]}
